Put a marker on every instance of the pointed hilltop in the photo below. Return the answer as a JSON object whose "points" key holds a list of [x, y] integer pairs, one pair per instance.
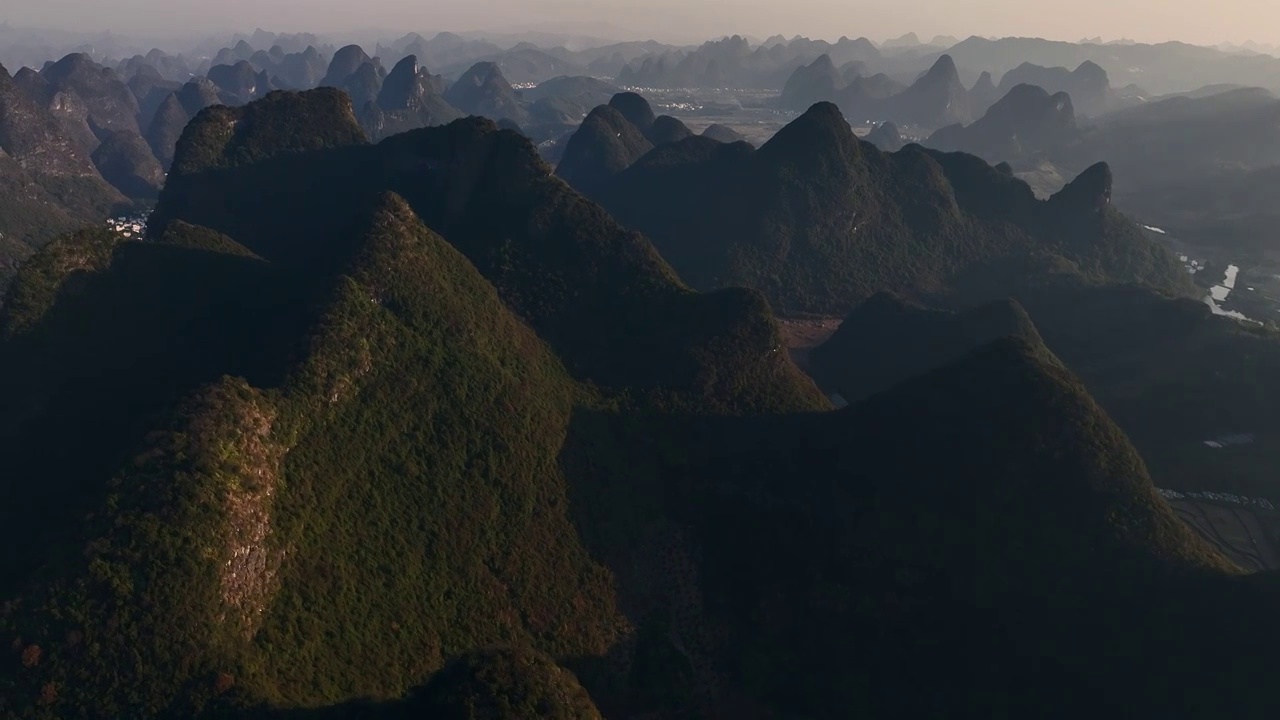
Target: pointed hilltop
{"points": [[723, 133], [483, 90], [346, 61], [612, 138], [485, 189], [983, 94], [752, 219], [1027, 123], [811, 83], [887, 137], [936, 99], [604, 145], [410, 98], [166, 128]]}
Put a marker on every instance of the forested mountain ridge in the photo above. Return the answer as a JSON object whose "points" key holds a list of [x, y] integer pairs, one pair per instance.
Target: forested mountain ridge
{"points": [[377, 407], [818, 220]]}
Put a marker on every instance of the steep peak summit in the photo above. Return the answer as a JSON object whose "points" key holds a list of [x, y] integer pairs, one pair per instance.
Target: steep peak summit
{"points": [[1090, 69], [406, 68], [823, 62], [634, 108], [943, 71], [1090, 192], [345, 62], [401, 85], [821, 129]]}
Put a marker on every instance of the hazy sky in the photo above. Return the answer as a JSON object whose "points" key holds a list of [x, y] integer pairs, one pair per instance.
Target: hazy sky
{"points": [[679, 20]]}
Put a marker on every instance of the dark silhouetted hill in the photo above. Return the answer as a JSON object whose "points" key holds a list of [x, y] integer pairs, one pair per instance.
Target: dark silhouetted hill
{"points": [[723, 133], [818, 220], [604, 145], [125, 160], [983, 95], [410, 98], [359, 430], [817, 81], [165, 129], [1088, 85], [936, 99], [614, 136], [484, 188], [482, 90], [1027, 124], [886, 137]]}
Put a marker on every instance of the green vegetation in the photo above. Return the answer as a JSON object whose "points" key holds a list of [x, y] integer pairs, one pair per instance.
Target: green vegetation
{"points": [[355, 430], [281, 122], [36, 209], [246, 478], [608, 305], [605, 144], [49, 273], [818, 221], [504, 683]]}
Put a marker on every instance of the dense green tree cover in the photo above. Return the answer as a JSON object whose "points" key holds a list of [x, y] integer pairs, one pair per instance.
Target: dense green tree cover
{"points": [[279, 123], [287, 496], [609, 306], [819, 220], [315, 437]]}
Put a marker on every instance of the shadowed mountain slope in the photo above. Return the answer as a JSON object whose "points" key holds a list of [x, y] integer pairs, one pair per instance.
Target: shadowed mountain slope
{"points": [[358, 430], [601, 296], [1026, 124], [887, 340], [818, 220]]}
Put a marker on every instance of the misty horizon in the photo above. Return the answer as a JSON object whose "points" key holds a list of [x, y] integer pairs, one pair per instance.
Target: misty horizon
{"points": [[662, 20]]}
